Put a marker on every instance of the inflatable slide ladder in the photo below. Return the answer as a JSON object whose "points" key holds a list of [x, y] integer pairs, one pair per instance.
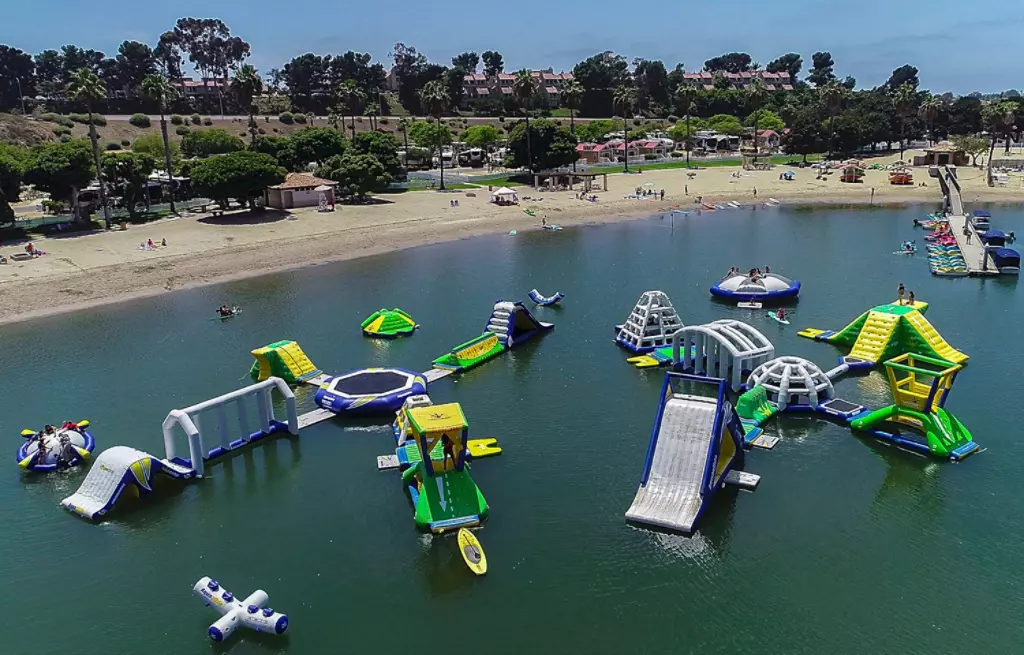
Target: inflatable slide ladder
{"points": [[114, 469], [934, 340], [696, 442], [499, 322], [874, 336]]}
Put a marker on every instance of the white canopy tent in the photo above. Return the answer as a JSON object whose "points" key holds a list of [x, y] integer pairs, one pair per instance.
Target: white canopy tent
{"points": [[504, 196]]}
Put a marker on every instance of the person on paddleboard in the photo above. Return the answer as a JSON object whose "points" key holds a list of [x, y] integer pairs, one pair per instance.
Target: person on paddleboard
{"points": [[224, 310], [781, 314]]}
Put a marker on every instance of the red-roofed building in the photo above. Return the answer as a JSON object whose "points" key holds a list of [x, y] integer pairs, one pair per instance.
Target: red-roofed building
{"points": [[772, 81], [768, 140], [478, 86]]}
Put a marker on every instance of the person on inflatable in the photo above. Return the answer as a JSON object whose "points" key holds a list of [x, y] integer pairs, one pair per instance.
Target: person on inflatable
{"points": [[449, 451]]}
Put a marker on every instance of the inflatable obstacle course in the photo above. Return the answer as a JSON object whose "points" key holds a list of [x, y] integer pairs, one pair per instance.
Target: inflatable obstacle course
{"points": [[443, 493], [888, 331], [509, 325], [650, 325], [285, 360], [920, 386], [695, 443], [388, 323]]}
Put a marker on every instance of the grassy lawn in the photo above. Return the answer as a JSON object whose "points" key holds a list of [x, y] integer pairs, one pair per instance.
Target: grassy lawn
{"points": [[778, 160], [561, 112]]}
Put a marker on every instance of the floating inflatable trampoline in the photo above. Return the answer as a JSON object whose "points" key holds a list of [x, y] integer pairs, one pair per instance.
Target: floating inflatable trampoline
{"points": [[62, 448], [744, 288], [370, 390]]}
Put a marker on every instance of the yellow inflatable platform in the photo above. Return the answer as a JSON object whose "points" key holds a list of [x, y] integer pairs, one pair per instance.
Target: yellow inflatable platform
{"points": [[283, 359]]}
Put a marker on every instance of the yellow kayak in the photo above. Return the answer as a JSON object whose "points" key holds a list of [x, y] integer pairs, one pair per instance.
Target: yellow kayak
{"points": [[472, 552]]}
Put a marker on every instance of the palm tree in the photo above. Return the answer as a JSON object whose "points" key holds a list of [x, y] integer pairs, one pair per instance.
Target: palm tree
{"points": [[903, 100], [832, 95], [246, 85], [352, 98], [686, 95], [158, 88], [572, 93], [998, 118], [334, 117], [87, 87], [434, 98], [757, 93], [403, 127], [928, 112], [524, 88], [624, 98]]}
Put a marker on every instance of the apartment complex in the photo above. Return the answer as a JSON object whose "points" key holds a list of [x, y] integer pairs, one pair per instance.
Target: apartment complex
{"points": [[480, 87], [204, 88], [738, 81]]}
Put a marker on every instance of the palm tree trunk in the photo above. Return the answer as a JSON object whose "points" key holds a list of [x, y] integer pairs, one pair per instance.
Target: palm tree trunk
{"points": [[74, 203], [572, 130], [353, 126], [831, 134], [688, 144], [903, 129], [99, 171], [529, 149], [625, 141], [440, 151], [756, 121], [991, 152], [405, 137], [167, 159]]}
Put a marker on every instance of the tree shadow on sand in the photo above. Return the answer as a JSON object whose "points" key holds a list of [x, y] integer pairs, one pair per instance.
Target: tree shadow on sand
{"points": [[247, 217]]}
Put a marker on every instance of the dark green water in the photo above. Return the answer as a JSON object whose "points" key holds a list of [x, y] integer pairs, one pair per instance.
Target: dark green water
{"points": [[848, 546]]}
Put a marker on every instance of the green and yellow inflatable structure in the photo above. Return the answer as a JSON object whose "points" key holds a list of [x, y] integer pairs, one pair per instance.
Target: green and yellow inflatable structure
{"points": [[283, 359], [889, 331], [388, 324]]}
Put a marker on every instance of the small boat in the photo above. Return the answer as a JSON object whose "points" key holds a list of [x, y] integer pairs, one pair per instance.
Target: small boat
{"points": [[775, 317], [545, 301], [61, 448], [472, 552]]}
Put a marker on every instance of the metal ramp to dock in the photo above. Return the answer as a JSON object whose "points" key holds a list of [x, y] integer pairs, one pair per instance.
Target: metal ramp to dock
{"points": [[672, 496], [979, 262]]}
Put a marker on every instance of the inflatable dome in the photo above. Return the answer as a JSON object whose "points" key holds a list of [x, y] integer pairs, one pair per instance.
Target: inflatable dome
{"points": [[745, 288], [792, 381], [63, 448], [370, 390]]}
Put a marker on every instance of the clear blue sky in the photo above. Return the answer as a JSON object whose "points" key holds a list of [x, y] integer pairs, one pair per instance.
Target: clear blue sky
{"points": [[959, 45]]}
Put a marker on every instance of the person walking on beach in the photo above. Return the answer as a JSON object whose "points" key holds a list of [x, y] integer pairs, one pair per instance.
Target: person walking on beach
{"points": [[899, 294]]}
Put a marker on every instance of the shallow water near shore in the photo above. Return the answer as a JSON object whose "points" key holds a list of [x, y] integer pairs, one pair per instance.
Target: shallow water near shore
{"points": [[847, 545]]}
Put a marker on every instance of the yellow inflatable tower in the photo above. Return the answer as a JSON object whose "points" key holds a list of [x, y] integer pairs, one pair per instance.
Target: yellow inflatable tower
{"points": [[283, 359]]}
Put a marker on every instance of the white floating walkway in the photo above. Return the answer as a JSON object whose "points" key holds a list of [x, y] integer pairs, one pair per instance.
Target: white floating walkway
{"points": [[979, 262], [314, 417], [742, 479]]}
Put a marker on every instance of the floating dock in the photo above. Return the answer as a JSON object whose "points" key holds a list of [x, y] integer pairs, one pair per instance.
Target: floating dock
{"points": [[979, 262]]}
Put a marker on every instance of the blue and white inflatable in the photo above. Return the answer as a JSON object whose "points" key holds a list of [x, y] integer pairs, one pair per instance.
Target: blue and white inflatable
{"points": [[249, 612], [545, 301], [758, 288], [370, 390], [55, 448]]}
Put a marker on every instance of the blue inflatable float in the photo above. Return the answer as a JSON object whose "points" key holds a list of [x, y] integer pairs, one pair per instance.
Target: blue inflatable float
{"points": [[757, 288], [545, 301], [370, 390], [53, 449]]}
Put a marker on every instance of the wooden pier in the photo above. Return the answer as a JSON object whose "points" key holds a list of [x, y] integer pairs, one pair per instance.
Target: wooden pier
{"points": [[979, 262]]}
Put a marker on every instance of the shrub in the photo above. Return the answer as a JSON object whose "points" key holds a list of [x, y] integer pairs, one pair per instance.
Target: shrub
{"points": [[260, 130], [242, 134], [359, 119], [58, 119], [637, 121], [139, 120], [207, 121], [126, 142], [673, 119], [650, 157], [501, 119], [181, 130], [266, 119], [299, 118], [286, 117], [177, 119], [196, 119], [383, 120], [84, 119], [274, 129], [64, 138], [113, 145], [676, 154], [60, 130]]}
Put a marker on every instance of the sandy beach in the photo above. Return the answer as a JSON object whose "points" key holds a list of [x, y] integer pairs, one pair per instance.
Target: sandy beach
{"points": [[102, 267]]}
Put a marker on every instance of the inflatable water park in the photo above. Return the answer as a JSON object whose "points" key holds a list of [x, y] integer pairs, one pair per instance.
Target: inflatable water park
{"points": [[755, 286], [650, 325]]}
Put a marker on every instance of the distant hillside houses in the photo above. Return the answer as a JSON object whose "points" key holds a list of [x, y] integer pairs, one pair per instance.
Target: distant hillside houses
{"points": [[737, 81]]}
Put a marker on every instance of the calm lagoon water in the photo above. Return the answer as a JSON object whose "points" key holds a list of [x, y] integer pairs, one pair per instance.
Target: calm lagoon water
{"points": [[848, 546]]}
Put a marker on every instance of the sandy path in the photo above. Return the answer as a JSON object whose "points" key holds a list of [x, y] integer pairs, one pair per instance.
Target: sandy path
{"points": [[103, 267]]}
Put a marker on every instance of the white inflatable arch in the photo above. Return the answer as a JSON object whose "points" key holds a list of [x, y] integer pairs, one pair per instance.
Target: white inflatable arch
{"points": [[723, 349]]}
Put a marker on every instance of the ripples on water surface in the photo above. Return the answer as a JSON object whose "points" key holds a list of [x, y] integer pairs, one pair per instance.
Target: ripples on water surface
{"points": [[848, 546]]}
